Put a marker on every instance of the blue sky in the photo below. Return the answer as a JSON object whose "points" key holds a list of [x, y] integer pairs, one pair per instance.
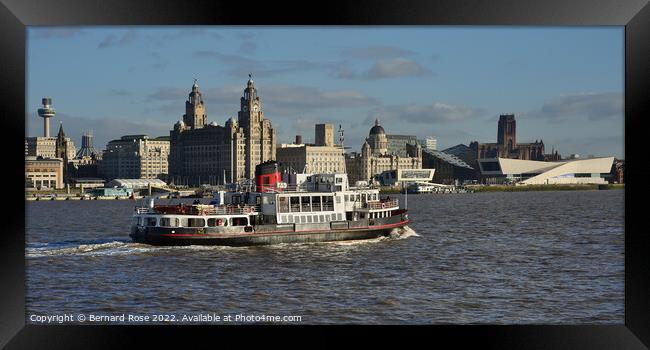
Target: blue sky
{"points": [[564, 84]]}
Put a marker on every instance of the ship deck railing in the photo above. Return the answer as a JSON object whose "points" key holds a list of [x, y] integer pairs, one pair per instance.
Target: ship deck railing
{"points": [[381, 204], [200, 210]]}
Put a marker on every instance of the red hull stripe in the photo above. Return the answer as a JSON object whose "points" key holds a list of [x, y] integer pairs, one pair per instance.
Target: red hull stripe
{"points": [[401, 223]]}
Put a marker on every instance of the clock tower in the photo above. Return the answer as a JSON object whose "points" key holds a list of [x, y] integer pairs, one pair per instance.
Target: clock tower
{"points": [[258, 132]]}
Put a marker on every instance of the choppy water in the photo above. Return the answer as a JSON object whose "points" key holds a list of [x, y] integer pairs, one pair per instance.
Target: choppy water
{"points": [[528, 257]]}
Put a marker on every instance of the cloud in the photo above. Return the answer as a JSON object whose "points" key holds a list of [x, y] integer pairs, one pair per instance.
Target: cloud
{"points": [[54, 33], [241, 66], [397, 67], [112, 40], [247, 47], [425, 114], [593, 106], [376, 52], [383, 69]]}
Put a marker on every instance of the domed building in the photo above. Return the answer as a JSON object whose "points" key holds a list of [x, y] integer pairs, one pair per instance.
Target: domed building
{"points": [[374, 158]]}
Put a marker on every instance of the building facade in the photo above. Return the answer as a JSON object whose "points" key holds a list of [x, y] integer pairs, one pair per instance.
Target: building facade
{"points": [[507, 146], [322, 157], [46, 147], [374, 158], [429, 143], [43, 173], [135, 157], [450, 170], [397, 144], [210, 153], [528, 172]]}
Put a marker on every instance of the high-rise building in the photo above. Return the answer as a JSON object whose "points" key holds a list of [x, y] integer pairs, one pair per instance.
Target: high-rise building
{"points": [[210, 153], [50, 147], [322, 157], [429, 143], [325, 135], [397, 144], [135, 157]]}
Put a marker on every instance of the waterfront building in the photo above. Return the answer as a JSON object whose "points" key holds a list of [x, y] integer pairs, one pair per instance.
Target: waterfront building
{"points": [[43, 173], [210, 153], [463, 152], [401, 176], [429, 142], [84, 164], [450, 170], [324, 135], [375, 159], [529, 172], [618, 171], [322, 157], [507, 146], [136, 157], [397, 144], [51, 147]]}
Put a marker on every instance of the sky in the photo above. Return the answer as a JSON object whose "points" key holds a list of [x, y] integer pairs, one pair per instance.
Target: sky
{"points": [[565, 85]]}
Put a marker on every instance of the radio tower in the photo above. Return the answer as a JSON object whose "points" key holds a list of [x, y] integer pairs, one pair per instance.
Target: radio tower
{"points": [[46, 113]]}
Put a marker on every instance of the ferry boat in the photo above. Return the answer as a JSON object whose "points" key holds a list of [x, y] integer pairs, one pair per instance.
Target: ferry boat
{"points": [[307, 208]]}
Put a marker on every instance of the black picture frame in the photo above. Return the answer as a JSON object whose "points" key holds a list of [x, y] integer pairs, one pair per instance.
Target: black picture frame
{"points": [[15, 15]]}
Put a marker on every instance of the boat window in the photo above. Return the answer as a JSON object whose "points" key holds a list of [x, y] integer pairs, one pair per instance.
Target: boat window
{"points": [[290, 218], [306, 204], [322, 218], [239, 221], [196, 222], [151, 221], [236, 199], [339, 216], [136, 220], [165, 222], [284, 205], [214, 222], [338, 199], [258, 200], [328, 203], [315, 203], [295, 204], [309, 219], [333, 216]]}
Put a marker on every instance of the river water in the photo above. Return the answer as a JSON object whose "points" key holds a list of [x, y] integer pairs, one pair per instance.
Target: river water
{"points": [[505, 258]]}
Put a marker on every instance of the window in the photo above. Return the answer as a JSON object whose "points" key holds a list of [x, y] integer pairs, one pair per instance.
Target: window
{"points": [[322, 218], [239, 221], [295, 204], [333, 216], [306, 204], [165, 222], [315, 201], [196, 222], [214, 222], [150, 221]]}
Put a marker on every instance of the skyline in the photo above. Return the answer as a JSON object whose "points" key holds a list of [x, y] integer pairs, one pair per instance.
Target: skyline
{"points": [[564, 85]]}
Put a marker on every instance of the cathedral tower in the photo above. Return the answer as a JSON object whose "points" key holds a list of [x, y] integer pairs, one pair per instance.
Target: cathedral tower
{"points": [[507, 132]]}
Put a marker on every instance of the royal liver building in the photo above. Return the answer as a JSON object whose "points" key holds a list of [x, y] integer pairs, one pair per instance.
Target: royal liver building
{"points": [[202, 153]]}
